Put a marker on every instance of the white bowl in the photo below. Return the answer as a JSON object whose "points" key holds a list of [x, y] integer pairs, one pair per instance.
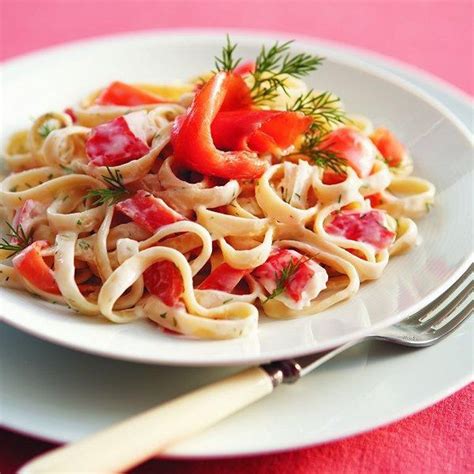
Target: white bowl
{"points": [[442, 147]]}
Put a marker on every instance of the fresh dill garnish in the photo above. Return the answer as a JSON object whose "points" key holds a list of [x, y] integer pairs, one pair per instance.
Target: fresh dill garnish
{"points": [[66, 169], [227, 62], [46, 128], [22, 240], [285, 276], [113, 193], [84, 245], [326, 159], [274, 65], [322, 108]]}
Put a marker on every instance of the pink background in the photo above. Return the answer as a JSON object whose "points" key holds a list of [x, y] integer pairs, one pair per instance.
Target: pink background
{"points": [[433, 35]]}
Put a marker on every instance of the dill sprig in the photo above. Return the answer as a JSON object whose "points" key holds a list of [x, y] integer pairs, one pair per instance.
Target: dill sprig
{"points": [[22, 240], [285, 276], [227, 62], [46, 128], [322, 108], [326, 159], [113, 193], [272, 67]]}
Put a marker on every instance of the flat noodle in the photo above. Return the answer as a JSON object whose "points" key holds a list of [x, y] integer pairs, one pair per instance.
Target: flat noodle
{"points": [[98, 255]]}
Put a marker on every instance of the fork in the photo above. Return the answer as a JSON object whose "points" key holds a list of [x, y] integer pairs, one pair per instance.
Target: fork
{"points": [[132, 441]]}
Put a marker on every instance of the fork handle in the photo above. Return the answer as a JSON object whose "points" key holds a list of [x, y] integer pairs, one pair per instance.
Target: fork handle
{"points": [[132, 441]]}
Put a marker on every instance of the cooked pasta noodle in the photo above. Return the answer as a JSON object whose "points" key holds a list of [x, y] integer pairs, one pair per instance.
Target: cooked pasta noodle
{"points": [[182, 205]]}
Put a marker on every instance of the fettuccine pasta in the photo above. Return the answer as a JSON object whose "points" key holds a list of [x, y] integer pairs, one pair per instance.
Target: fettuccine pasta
{"points": [[204, 204]]}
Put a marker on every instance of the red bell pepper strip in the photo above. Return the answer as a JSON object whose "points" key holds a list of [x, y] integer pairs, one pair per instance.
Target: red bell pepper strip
{"points": [[191, 135], [375, 199], [31, 266], [115, 143], [24, 216], [364, 227], [258, 130], [148, 212], [389, 146], [223, 278], [164, 280], [69, 111], [119, 93], [354, 147]]}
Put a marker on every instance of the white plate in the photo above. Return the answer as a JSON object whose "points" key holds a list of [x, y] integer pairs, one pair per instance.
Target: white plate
{"points": [[440, 144], [59, 394]]}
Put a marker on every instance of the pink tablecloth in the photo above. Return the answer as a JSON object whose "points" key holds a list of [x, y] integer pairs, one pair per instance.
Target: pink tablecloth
{"points": [[437, 440], [436, 36]]}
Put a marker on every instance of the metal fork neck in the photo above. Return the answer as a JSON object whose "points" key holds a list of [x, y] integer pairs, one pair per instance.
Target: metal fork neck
{"points": [[284, 371]]}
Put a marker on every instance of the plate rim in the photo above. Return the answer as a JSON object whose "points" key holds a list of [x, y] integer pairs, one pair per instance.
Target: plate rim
{"points": [[421, 406], [339, 55]]}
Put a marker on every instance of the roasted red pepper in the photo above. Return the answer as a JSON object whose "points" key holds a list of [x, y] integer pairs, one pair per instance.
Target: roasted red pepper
{"points": [[31, 266], [119, 93], [375, 199], [223, 278]]}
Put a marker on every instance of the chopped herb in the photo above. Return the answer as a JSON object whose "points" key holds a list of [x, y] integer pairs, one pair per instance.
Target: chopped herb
{"points": [[13, 189], [79, 222], [111, 195], [163, 315], [7, 278], [285, 276], [298, 195], [428, 206], [22, 239], [67, 169], [322, 108], [84, 245], [50, 176], [227, 301], [339, 198], [46, 128], [174, 322], [273, 65], [227, 62]]}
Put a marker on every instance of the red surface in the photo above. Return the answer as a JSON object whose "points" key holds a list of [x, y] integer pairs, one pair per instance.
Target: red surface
{"points": [[435, 36], [437, 440]]}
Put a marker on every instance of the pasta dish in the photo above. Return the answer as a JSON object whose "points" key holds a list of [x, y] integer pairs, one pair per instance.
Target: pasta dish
{"points": [[204, 204]]}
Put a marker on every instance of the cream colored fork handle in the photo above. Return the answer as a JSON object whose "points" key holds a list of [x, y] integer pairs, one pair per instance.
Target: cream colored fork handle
{"points": [[131, 442]]}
